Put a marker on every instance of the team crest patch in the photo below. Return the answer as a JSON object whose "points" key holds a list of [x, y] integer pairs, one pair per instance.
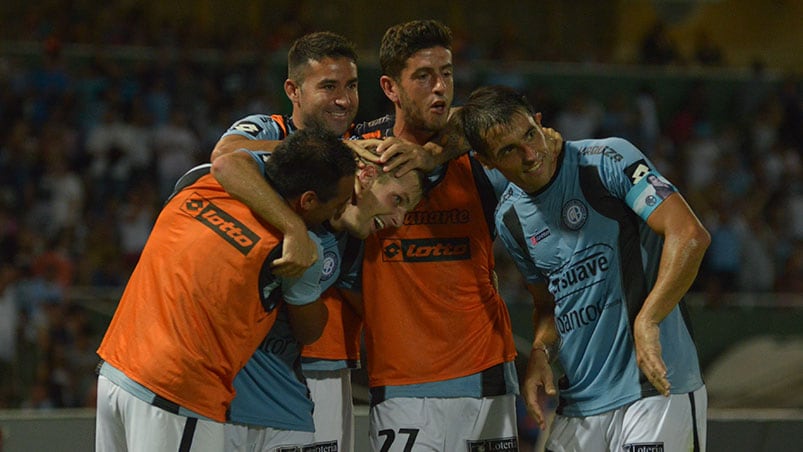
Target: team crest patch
{"points": [[330, 263], [490, 445], [574, 214], [644, 447]]}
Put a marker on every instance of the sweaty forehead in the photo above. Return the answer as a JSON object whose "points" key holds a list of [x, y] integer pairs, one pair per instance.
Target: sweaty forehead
{"points": [[507, 132], [431, 56], [329, 67]]}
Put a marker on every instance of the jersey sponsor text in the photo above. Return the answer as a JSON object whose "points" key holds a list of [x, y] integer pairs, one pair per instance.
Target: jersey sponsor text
{"points": [[426, 250], [453, 216], [223, 224], [589, 267]]}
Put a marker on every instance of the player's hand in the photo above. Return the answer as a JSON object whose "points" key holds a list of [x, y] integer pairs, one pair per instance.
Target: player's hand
{"points": [[402, 157], [538, 386], [299, 252], [553, 139], [366, 150], [646, 335]]}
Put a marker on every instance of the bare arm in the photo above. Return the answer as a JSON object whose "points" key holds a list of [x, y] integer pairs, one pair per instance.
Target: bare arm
{"points": [[240, 177], [538, 381], [308, 320], [685, 242], [354, 299]]}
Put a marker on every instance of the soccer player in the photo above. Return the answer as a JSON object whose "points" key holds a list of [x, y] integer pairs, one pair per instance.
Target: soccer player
{"points": [[202, 297], [608, 248], [272, 406], [439, 345]]}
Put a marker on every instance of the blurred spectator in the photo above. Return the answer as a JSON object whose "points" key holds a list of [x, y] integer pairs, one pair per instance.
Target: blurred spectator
{"points": [[9, 331], [178, 148], [706, 51], [791, 277], [580, 118], [135, 220], [723, 260], [648, 124], [658, 47]]}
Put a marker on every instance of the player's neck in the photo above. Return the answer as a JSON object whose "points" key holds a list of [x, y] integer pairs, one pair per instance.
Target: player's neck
{"points": [[405, 131]]}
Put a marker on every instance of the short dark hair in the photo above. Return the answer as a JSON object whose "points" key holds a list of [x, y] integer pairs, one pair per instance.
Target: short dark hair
{"points": [[401, 41], [317, 46], [490, 107], [313, 159]]}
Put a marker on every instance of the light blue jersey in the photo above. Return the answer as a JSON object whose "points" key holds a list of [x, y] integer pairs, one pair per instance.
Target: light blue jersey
{"points": [[585, 236], [271, 390]]}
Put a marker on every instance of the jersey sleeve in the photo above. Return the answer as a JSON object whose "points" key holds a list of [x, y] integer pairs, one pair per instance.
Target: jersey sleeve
{"points": [[498, 181], [351, 278], [631, 176], [509, 227], [307, 288], [256, 127]]}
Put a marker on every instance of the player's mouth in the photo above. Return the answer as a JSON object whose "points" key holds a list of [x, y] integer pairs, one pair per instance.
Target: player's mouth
{"points": [[340, 114], [378, 224], [438, 107], [534, 168]]}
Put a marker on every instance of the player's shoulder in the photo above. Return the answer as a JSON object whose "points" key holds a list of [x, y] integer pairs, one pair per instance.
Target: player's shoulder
{"points": [[507, 202], [601, 150], [260, 126], [376, 128]]}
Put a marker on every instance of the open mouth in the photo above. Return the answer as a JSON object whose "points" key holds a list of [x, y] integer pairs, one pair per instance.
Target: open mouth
{"points": [[378, 223], [339, 114], [439, 107], [534, 168]]}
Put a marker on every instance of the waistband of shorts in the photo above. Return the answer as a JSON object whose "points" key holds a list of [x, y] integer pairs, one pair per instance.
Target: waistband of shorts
{"points": [[139, 391], [492, 382]]}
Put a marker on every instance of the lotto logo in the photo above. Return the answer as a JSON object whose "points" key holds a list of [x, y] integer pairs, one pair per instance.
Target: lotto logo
{"points": [[223, 224], [426, 250], [248, 127]]}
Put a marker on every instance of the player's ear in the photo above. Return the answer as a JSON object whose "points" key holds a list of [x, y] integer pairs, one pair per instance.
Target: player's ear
{"points": [[291, 90], [389, 87], [537, 118], [367, 175], [308, 200]]}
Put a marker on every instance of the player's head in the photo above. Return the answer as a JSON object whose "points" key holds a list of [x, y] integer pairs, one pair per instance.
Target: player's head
{"points": [[416, 62], [501, 126], [381, 200], [314, 170], [322, 81]]}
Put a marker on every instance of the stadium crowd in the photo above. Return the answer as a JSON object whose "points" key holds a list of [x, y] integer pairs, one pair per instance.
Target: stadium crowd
{"points": [[90, 148]]}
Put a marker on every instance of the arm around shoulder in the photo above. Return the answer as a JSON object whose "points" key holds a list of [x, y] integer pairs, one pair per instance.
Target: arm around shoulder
{"points": [[308, 321]]}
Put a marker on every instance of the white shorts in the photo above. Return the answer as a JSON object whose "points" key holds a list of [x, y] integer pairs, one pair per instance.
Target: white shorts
{"points": [[125, 423], [333, 415], [444, 424], [667, 424], [241, 438]]}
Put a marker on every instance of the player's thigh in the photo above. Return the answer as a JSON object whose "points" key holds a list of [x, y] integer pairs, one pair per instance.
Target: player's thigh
{"points": [[150, 428], [487, 423], [584, 434], [109, 428], [264, 439], [405, 424], [676, 423], [331, 393]]}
